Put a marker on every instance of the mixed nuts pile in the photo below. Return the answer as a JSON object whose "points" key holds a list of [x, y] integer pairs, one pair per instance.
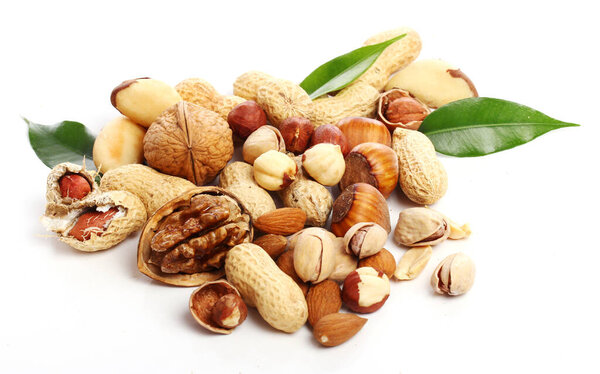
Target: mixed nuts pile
{"points": [[299, 262]]}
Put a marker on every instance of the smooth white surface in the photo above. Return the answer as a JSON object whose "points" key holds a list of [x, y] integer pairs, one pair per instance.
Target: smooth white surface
{"points": [[533, 209]]}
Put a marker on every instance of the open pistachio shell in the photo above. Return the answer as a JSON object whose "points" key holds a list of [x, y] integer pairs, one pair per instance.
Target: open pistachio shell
{"points": [[418, 227], [55, 203], [153, 226]]}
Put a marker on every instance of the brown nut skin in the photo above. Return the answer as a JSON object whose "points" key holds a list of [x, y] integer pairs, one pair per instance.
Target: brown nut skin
{"points": [[337, 328], [323, 299], [218, 307], [60, 197], [189, 141], [245, 118], [330, 134], [152, 226], [362, 130], [397, 108], [273, 244], [359, 202], [383, 261], [365, 290], [74, 186], [296, 132], [372, 163]]}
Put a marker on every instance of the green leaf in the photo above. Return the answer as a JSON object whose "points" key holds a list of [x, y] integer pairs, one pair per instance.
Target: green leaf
{"points": [[343, 70], [67, 141], [479, 126]]}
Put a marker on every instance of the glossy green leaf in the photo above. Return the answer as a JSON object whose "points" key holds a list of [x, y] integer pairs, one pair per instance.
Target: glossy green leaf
{"points": [[479, 126], [343, 70], [64, 142]]}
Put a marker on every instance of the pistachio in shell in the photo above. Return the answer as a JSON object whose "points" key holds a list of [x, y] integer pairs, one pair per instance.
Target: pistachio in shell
{"points": [[419, 227]]}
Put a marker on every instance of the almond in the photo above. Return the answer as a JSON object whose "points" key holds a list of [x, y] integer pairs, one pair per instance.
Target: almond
{"points": [[337, 328], [383, 261], [273, 244], [286, 264], [323, 299], [282, 221]]}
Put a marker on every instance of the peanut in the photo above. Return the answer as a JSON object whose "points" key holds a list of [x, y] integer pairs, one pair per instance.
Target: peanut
{"points": [[74, 186], [91, 222], [119, 143], [68, 184], [200, 92], [263, 285], [423, 178]]}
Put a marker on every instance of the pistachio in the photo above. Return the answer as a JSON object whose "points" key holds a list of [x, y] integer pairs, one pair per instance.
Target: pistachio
{"points": [[344, 263], [419, 227], [365, 239], [454, 275], [412, 263], [314, 256]]}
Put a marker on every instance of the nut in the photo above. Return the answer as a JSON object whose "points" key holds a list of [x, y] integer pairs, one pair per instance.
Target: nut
{"points": [[296, 132], [398, 109], [423, 178], [359, 202], [356, 100], [98, 222], [412, 263], [273, 244], [189, 142], [286, 263], [66, 185], [383, 261], [419, 227], [185, 242], [454, 275], [142, 100], [238, 178], [264, 139], [274, 170], [74, 186], [457, 231], [261, 283], [325, 163], [200, 92], [282, 221], [245, 118], [330, 134], [313, 230], [337, 328], [365, 290], [323, 299], [434, 82], [363, 130], [282, 99], [218, 307], [247, 84], [119, 143], [154, 189], [365, 239], [344, 263], [372, 163], [314, 257]]}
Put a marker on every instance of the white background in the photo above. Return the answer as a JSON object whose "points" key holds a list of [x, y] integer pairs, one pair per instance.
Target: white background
{"points": [[533, 209]]}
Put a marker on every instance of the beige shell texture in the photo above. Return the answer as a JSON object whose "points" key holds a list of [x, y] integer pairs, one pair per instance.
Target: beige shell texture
{"points": [[189, 141], [357, 100], [55, 203], [247, 84], [238, 178], [422, 178], [118, 228], [153, 188], [200, 92], [261, 283], [282, 99], [144, 249], [393, 58]]}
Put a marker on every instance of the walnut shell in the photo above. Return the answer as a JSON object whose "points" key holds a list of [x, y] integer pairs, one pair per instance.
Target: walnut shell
{"points": [[189, 141], [155, 224]]}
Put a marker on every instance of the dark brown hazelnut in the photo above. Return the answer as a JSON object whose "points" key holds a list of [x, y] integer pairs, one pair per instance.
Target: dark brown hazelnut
{"points": [[330, 134], [245, 118], [296, 132], [397, 108]]}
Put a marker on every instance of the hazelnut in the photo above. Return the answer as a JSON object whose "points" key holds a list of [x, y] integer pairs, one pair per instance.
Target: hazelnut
{"points": [[365, 239], [296, 132], [245, 118], [218, 307], [274, 170], [454, 275], [397, 108], [362, 130], [365, 290], [264, 139], [143, 99], [359, 202], [330, 134], [325, 163], [383, 261], [372, 163], [314, 257]]}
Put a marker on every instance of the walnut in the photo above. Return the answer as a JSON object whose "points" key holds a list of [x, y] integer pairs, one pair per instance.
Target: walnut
{"points": [[189, 141], [185, 242]]}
